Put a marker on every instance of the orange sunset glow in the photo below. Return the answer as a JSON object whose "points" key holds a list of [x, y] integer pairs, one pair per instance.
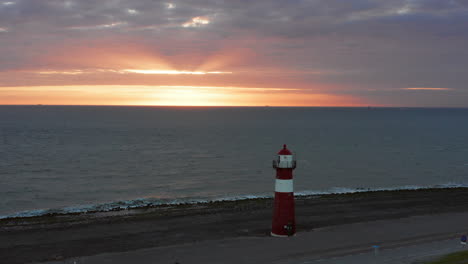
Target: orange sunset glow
{"points": [[115, 75], [150, 53], [169, 96]]}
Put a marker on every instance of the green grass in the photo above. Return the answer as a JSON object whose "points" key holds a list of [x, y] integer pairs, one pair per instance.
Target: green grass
{"points": [[454, 258]]}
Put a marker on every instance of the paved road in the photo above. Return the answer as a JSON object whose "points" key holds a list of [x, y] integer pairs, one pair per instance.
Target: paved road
{"points": [[401, 255], [403, 240]]}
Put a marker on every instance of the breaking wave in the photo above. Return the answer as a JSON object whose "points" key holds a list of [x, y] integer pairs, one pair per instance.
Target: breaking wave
{"points": [[153, 202]]}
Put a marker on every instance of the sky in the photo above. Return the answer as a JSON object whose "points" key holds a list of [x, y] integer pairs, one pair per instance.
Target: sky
{"points": [[402, 53]]}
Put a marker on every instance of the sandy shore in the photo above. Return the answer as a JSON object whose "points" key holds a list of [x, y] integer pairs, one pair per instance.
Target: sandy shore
{"points": [[58, 237]]}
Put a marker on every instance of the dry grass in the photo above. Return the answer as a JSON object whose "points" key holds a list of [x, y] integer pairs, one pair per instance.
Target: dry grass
{"points": [[454, 258]]}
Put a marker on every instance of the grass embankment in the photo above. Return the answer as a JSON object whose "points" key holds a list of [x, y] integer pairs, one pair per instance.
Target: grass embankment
{"points": [[454, 258]]}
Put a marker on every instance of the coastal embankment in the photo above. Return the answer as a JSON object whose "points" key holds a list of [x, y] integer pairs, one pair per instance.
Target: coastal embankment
{"points": [[62, 236]]}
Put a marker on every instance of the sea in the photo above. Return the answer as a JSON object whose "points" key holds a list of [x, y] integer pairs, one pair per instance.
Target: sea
{"points": [[67, 159]]}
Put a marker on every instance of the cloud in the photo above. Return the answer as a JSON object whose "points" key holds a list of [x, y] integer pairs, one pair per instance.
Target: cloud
{"points": [[103, 26], [196, 22], [252, 89], [356, 45], [75, 72], [172, 72], [427, 89], [133, 11]]}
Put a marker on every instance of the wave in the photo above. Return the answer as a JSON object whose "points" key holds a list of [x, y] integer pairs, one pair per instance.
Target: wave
{"points": [[153, 202], [344, 190]]}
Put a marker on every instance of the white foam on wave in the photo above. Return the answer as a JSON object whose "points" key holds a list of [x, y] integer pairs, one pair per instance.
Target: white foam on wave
{"points": [[343, 190], [150, 202]]}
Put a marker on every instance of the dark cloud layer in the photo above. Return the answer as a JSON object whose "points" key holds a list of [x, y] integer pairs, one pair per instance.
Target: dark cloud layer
{"points": [[367, 47]]}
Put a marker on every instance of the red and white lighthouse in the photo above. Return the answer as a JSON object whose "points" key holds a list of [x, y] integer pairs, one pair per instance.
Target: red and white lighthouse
{"points": [[284, 223]]}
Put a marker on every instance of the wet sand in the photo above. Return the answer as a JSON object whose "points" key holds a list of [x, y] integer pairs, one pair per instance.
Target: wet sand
{"points": [[57, 237]]}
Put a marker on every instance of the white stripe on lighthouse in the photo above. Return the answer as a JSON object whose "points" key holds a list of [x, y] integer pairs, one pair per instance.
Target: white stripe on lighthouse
{"points": [[284, 186]]}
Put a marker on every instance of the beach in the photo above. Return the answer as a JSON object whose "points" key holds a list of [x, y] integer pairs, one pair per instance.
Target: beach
{"points": [[62, 237]]}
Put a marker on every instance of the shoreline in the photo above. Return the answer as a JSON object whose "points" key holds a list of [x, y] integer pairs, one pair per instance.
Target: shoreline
{"points": [[52, 237], [146, 203]]}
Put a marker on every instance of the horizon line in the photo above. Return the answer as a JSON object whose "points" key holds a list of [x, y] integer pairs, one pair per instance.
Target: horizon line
{"points": [[239, 106]]}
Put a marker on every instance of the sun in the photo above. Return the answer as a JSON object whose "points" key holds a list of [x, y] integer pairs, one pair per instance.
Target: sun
{"points": [[189, 97]]}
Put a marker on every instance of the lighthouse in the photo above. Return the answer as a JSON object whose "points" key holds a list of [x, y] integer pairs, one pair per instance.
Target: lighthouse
{"points": [[284, 223]]}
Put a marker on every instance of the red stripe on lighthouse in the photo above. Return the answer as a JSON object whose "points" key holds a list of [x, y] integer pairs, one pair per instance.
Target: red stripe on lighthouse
{"points": [[284, 174], [284, 223]]}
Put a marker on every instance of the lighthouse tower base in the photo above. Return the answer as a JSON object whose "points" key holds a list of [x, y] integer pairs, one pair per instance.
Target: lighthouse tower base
{"points": [[284, 222]]}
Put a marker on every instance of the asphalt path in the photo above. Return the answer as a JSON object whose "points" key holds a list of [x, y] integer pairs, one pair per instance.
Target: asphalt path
{"points": [[405, 240]]}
